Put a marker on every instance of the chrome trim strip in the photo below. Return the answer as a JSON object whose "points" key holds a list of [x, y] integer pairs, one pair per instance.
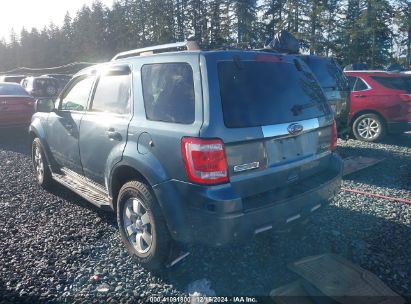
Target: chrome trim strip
{"points": [[282, 129], [293, 218], [263, 229], [315, 207], [244, 167]]}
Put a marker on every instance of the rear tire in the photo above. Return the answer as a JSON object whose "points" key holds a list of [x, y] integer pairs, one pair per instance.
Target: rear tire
{"points": [[41, 168], [369, 127], [51, 91], [142, 226]]}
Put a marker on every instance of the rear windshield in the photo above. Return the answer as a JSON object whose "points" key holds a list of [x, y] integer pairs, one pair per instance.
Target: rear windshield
{"points": [[15, 90], [44, 82], [328, 73], [255, 93], [396, 83]]}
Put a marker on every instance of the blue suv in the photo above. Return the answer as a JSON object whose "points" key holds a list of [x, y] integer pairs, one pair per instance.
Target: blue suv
{"points": [[191, 146]]}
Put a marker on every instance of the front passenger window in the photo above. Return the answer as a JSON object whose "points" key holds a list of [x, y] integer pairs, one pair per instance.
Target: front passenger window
{"points": [[77, 96]]}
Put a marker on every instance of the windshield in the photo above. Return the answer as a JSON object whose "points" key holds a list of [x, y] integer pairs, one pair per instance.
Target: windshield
{"points": [[396, 83], [257, 93], [15, 90]]}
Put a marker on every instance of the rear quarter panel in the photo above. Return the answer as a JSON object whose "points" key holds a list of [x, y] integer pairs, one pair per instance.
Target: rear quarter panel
{"points": [[154, 147]]}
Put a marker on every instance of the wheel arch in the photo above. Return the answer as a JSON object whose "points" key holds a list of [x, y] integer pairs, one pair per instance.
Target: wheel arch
{"points": [[122, 174], [36, 130], [367, 111]]}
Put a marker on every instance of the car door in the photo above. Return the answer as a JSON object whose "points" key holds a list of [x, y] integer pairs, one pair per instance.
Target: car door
{"points": [[360, 95], [103, 130], [63, 125]]}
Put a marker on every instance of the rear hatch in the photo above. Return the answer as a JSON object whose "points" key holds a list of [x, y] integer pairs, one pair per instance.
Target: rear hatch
{"points": [[332, 81], [16, 110], [16, 106], [273, 118]]}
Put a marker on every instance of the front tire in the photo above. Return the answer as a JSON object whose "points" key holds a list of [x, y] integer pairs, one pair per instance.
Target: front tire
{"points": [[41, 168], [142, 226], [368, 127]]}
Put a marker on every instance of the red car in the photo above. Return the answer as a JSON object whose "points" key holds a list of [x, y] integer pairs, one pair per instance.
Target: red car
{"points": [[380, 103], [16, 105]]}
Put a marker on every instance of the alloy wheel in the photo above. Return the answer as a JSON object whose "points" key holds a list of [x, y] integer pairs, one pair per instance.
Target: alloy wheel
{"points": [[369, 128], [38, 164], [137, 224]]}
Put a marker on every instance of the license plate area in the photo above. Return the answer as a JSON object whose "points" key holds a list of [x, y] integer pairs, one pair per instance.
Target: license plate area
{"points": [[291, 149]]}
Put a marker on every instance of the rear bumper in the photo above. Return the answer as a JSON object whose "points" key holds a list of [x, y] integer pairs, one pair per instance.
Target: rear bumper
{"points": [[216, 216], [399, 127]]}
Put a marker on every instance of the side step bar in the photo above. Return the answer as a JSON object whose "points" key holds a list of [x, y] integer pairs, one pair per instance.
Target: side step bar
{"points": [[84, 187]]}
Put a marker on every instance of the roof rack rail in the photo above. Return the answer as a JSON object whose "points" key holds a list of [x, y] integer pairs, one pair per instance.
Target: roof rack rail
{"points": [[162, 48]]}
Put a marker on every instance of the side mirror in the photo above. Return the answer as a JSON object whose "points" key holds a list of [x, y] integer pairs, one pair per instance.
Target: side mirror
{"points": [[45, 105]]}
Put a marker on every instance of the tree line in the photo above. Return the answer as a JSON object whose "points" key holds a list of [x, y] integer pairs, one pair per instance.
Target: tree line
{"points": [[377, 32]]}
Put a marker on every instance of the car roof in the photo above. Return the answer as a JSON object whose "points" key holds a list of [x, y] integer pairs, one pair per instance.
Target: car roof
{"points": [[41, 77], [314, 57], [182, 54], [374, 73], [12, 76], [10, 84]]}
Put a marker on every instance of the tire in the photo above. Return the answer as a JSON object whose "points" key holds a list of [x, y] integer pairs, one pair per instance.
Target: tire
{"points": [[41, 168], [51, 91], [369, 127], [142, 226]]}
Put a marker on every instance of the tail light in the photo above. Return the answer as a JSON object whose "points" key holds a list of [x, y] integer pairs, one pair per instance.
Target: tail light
{"points": [[405, 97], [205, 160], [333, 145]]}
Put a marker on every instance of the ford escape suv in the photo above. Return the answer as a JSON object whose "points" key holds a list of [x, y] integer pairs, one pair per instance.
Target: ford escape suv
{"points": [[191, 146]]}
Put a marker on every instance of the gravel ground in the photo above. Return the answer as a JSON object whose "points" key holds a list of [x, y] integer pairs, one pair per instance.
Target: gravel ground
{"points": [[54, 246]]}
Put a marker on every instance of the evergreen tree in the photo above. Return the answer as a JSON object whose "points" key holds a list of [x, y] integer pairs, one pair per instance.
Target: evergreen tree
{"points": [[350, 30], [245, 22], [403, 23]]}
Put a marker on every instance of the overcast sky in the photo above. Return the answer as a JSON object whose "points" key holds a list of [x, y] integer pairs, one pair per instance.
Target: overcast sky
{"points": [[17, 14]]}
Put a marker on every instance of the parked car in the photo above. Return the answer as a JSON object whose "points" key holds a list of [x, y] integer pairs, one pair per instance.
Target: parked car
{"points": [[41, 86], [335, 86], [16, 105], [359, 66], [191, 146], [380, 103], [62, 79], [12, 78]]}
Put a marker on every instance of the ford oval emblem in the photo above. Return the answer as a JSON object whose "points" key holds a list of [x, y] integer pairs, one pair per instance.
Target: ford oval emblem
{"points": [[295, 128]]}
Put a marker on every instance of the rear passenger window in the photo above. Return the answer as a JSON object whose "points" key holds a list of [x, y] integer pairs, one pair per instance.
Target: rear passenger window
{"points": [[360, 85], [351, 82], [168, 90], [112, 94]]}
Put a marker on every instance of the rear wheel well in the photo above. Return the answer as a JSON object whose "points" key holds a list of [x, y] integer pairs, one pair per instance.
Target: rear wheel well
{"points": [[32, 136], [122, 175], [358, 114]]}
